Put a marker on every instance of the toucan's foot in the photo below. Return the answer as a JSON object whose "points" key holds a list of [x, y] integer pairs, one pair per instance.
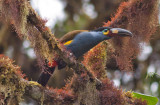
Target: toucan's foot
{"points": [[61, 64]]}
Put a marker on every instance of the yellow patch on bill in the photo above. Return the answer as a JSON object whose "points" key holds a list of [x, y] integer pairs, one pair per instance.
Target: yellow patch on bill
{"points": [[115, 31]]}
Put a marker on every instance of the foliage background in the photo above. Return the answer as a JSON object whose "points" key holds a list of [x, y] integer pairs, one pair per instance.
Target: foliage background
{"points": [[88, 14]]}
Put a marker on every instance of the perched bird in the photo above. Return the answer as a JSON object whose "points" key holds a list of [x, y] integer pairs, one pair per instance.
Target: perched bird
{"points": [[79, 42]]}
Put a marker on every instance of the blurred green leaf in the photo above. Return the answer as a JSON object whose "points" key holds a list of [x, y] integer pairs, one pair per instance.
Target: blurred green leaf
{"points": [[151, 100]]}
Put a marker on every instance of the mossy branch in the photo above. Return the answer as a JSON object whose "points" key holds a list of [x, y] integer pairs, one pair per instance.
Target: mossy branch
{"points": [[13, 86]]}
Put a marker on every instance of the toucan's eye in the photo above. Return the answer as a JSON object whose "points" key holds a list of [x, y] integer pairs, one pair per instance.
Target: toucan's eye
{"points": [[105, 31]]}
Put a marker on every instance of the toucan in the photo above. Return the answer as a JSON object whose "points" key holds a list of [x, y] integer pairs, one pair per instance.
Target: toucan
{"points": [[78, 42]]}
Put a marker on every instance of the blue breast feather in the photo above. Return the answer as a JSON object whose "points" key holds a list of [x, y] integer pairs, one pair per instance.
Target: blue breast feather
{"points": [[84, 41]]}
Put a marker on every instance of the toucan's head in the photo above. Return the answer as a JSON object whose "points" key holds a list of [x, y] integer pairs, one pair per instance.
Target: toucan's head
{"points": [[113, 32]]}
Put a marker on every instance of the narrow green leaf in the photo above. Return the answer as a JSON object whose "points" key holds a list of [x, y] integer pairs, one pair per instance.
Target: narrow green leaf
{"points": [[151, 100]]}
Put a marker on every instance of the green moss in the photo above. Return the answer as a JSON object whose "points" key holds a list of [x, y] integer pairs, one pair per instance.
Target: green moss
{"points": [[96, 59], [10, 83]]}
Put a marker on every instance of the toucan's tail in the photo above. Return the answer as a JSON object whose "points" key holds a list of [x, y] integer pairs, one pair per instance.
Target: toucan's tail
{"points": [[47, 73], [50, 68]]}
